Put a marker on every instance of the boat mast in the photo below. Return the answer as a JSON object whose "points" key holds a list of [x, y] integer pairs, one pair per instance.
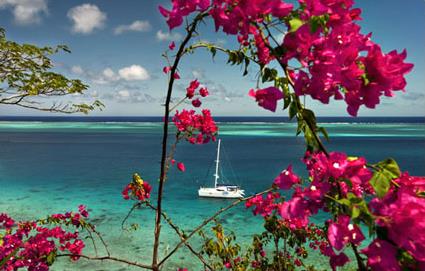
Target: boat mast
{"points": [[217, 161]]}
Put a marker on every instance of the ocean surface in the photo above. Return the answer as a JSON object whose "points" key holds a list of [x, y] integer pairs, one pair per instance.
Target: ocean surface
{"points": [[50, 165]]}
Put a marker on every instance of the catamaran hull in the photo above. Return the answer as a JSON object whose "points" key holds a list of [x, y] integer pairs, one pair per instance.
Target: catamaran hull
{"points": [[214, 193]]}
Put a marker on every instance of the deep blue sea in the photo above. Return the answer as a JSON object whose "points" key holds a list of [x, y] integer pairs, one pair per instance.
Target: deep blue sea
{"points": [[54, 164]]}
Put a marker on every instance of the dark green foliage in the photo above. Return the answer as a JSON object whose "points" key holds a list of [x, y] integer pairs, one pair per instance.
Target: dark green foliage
{"points": [[385, 172], [26, 78]]}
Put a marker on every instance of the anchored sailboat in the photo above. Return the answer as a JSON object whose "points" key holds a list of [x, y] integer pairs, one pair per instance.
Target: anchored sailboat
{"points": [[219, 190]]}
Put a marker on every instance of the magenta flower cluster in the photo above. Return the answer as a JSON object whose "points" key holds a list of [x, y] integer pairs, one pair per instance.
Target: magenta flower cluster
{"points": [[34, 245], [196, 128], [340, 62], [337, 60], [400, 213]]}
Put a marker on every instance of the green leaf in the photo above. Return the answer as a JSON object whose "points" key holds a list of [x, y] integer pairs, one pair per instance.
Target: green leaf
{"points": [[324, 132], [245, 72], [390, 166], [51, 258], [309, 117], [294, 24], [380, 183], [293, 110], [386, 171], [268, 75]]}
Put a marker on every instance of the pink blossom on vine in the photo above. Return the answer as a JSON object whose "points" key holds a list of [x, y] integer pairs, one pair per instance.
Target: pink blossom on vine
{"points": [[83, 211], [137, 190], [286, 179], [190, 90], [176, 75], [263, 206], [6, 221], [238, 19], [340, 166], [337, 260], [296, 210], [334, 58], [195, 128], [166, 69], [181, 9], [174, 18], [401, 212], [196, 103], [263, 52], [181, 167], [343, 232], [381, 256], [203, 92], [30, 244], [267, 97], [172, 45]]}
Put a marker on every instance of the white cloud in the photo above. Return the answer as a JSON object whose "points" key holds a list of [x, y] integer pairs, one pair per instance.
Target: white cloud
{"points": [[130, 73], [110, 75], [77, 70], [86, 18], [167, 36], [133, 72], [137, 26], [124, 93], [26, 11]]}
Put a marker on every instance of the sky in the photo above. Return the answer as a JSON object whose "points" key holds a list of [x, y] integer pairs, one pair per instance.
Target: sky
{"points": [[117, 45]]}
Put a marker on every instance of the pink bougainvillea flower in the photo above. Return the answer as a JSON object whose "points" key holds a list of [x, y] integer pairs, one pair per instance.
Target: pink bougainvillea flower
{"points": [[181, 9], [267, 97], [174, 18], [137, 189], [172, 45], [203, 92], [181, 166], [296, 208], [342, 232], [176, 75], [338, 260], [190, 90], [196, 128], [5, 221], [263, 206], [401, 212], [263, 52], [83, 211], [381, 256], [196, 103], [29, 244], [286, 179], [166, 69]]}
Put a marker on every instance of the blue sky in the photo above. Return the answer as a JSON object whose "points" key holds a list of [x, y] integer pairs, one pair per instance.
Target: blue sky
{"points": [[117, 45]]}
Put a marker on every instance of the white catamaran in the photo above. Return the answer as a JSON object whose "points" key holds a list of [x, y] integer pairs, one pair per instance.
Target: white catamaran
{"points": [[229, 191]]}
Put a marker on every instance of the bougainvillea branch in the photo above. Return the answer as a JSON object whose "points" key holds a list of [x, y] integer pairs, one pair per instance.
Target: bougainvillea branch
{"points": [[208, 220], [190, 31]]}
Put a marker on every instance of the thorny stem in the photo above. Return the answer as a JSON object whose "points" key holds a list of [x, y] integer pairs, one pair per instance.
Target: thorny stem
{"points": [[100, 238], [359, 259], [276, 244], [190, 30], [211, 218], [171, 224], [177, 104], [181, 235], [108, 258]]}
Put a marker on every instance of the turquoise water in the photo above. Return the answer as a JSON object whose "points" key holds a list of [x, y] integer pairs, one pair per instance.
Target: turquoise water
{"points": [[48, 167]]}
